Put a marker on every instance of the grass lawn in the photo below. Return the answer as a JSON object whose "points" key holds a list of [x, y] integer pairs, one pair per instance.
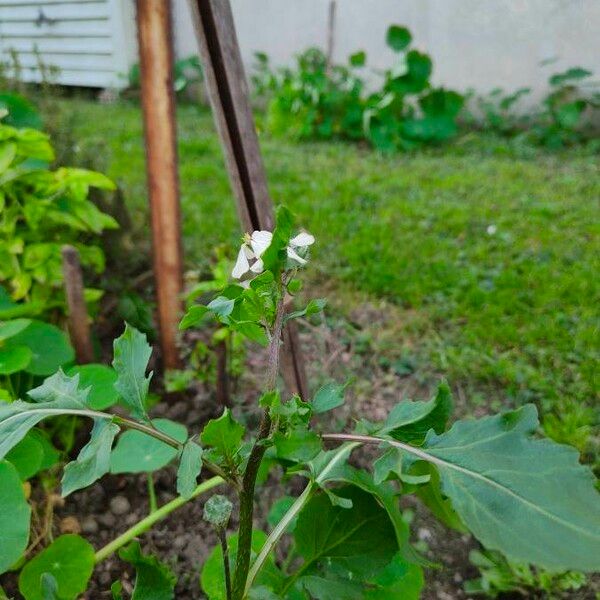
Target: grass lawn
{"points": [[488, 255]]}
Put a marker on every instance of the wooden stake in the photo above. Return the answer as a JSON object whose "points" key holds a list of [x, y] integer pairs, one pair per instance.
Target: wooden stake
{"points": [[222, 352], [79, 326], [330, 34], [228, 93], [158, 104]]}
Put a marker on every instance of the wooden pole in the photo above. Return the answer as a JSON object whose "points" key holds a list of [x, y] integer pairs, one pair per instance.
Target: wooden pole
{"points": [[228, 93], [330, 34], [158, 104], [79, 326]]}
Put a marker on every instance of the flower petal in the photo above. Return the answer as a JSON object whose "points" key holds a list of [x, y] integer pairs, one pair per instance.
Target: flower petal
{"points": [[260, 241], [257, 267], [242, 265], [295, 257], [302, 240]]}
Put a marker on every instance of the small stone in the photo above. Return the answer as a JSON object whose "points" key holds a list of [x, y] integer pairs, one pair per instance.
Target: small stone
{"points": [[89, 525], [70, 525], [119, 505], [108, 520]]}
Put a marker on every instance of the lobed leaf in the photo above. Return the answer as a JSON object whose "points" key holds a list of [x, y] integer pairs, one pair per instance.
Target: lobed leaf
{"points": [[190, 466], [94, 459], [131, 355], [528, 498], [154, 580]]}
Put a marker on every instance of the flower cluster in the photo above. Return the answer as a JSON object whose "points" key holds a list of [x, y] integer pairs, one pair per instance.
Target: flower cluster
{"points": [[254, 246]]}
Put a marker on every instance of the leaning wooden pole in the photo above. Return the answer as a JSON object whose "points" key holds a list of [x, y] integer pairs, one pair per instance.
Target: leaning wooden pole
{"points": [[78, 319], [158, 104], [228, 93]]}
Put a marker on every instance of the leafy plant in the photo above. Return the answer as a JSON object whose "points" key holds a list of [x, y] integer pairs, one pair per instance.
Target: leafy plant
{"points": [[185, 71], [315, 100], [499, 575], [40, 210], [525, 497], [564, 108]]}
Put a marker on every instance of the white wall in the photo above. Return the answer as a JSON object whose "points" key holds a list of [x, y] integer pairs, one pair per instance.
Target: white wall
{"points": [[474, 43]]}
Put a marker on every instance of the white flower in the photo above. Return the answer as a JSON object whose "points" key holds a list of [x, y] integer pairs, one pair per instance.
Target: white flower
{"points": [[491, 229], [255, 245]]}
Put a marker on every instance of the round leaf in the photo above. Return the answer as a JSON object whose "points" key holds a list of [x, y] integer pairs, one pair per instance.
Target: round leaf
{"points": [[27, 457], [398, 38], [137, 452], [69, 559], [49, 346], [13, 360], [101, 379], [14, 517]]}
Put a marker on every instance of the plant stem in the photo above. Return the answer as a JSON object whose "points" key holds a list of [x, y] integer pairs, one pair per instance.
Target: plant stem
{"points": [[277, 532], [223, 539], [153, 518], [296, 507], [242, 563], [151, 493]]}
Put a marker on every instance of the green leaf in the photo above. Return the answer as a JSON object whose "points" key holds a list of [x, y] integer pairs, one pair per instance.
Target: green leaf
{"points": [[193, 316], [410, 421], [131, 355], [57, 394], [362, 534], [27, 456], [530, 499], [15, 514], [312, 308], [358, 59], [50, 347], [190, 466], [94, 459], [14, 359], [431, 495], [101, 380], [50, 455], [221, 306], [278, 510], [275, 256], [21, 112], [49, 587], [328, 397], [297, 445], [223, 434], [212, 576], [137, 452], [154, 580], [69, 559], [398, 38], [11, 328]]}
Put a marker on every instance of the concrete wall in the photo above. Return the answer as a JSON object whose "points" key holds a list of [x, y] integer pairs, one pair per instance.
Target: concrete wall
{"points": [[474, 43]]}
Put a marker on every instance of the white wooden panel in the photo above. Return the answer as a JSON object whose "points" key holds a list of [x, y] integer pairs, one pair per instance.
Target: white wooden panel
{"points": [[42, 2], [74, 45], [92, 78], [92, 28], [69, 62], [91, 10]]}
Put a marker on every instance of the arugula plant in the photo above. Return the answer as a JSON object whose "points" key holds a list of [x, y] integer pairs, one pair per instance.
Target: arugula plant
{"points": [[526, 497], [40, 210]]}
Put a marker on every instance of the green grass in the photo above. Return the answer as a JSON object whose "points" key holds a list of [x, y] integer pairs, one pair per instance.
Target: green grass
{"points": [[489, 253]]}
